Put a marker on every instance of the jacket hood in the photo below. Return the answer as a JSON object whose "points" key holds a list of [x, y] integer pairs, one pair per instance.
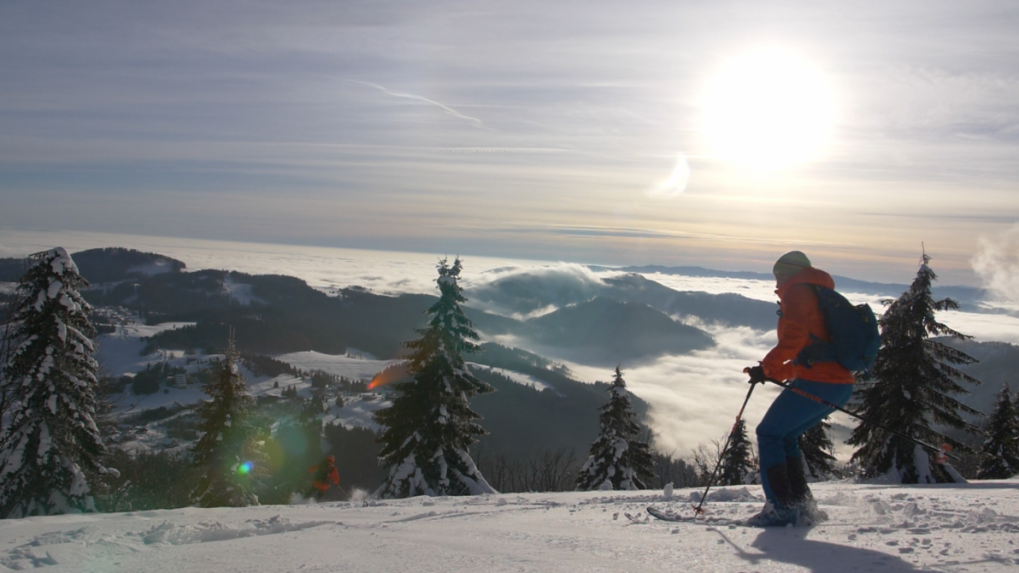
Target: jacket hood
{"points": [[810, 276]]}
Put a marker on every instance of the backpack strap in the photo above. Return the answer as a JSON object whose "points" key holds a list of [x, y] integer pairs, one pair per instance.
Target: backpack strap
{"points": [[818, 350]]}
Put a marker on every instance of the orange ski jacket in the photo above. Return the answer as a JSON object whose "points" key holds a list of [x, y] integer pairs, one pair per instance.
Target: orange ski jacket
{"points": [[799, 318], [330, 475]]}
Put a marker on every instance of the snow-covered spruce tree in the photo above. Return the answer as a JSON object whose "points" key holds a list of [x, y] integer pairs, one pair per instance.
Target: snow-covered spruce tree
{"points": [[430, 425], [999, 456], [8, 343], [737, 464], [619, 459], [51, 442], [912, 387], [226, 451], [818, 451]]}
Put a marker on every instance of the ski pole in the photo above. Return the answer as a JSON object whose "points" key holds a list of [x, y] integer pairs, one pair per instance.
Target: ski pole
{"points": [[942, 451], [728, 441], [284, 483]]}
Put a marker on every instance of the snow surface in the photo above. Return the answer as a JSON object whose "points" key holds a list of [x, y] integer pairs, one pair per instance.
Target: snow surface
{"points": [[242, 293], [119, 355], [348, 365], [120, 351], [519, 378], [893, 529]]}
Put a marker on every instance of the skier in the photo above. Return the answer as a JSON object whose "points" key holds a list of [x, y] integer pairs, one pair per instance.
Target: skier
{"points": [[325, 472], [800, 323]]}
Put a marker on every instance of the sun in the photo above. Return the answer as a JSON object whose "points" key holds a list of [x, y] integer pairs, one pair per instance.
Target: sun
{"points": [[767, 109]]}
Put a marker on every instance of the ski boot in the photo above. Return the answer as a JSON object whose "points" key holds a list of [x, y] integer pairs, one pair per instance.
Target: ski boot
{"points": [[772, 516], [802, 500], [778, 510]]}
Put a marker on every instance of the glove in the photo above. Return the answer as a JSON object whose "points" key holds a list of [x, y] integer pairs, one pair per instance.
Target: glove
{"points": [[756, 374]]}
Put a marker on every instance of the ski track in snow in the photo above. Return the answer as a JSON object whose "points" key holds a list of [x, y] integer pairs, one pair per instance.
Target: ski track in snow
{"points": [[898, 529]]}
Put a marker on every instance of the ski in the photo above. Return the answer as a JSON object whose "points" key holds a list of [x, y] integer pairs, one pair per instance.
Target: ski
{"points": [[673, 517], [667, 515]]}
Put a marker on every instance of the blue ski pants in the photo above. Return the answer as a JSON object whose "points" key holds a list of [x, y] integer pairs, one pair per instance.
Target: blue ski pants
{"points": [[791, 415]]}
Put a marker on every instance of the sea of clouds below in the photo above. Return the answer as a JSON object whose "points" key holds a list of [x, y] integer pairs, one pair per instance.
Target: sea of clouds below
{"points": [[693, 397]]}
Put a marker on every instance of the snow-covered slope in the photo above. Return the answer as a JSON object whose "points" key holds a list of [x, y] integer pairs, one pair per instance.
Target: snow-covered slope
{"points": [[119, 354], [120, 351], [350, 365], [893, 529]]}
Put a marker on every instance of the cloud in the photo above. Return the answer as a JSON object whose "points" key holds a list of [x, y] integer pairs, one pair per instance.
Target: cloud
{"points": [[525, 292], [750, 288], [501, 150], [984, 327], [971, 104], [694, 398], [997, 264], [578, 127], [473, 120]]}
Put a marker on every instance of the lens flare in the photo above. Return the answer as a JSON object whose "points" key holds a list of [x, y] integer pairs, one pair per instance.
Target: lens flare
{"points": [[245, 468], [675, 184], [389, 375]]}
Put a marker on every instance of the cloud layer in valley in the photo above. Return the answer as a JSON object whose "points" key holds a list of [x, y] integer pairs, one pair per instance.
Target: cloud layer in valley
{"points": [[693, 397]]}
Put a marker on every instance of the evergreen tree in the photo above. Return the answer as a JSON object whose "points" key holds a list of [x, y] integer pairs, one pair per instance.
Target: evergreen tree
{"points": [[999, 456], [818, 451], [226, 452], [914, 381], [430, 426], [619, 458], [737, 464], [51, 443], [8, 343]]}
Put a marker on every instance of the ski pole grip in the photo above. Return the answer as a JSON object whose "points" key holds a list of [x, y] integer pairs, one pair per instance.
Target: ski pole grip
{"points": [[756, 374]]}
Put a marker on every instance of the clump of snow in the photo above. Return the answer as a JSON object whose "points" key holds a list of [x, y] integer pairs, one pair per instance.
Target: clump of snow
{"points": [[61, 261], [727, 495]]}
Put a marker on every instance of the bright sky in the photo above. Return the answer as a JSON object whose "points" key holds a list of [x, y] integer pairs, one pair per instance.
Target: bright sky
{"points": [[720, 134]]}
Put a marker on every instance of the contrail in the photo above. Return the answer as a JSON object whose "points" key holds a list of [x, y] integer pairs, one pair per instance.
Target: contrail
{"points": [[474, 121]]}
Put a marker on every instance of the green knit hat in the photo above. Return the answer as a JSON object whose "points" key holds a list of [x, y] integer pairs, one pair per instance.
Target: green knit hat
{"points": [[791, 263]]}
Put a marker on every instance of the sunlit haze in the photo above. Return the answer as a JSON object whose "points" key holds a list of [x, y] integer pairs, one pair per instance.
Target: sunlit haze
{"points": [[718, 134]]}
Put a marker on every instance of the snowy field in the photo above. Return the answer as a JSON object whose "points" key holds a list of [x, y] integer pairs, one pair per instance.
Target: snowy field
{"points": [[119, 354], [354, 365], [120, 351], [895, 529]]}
